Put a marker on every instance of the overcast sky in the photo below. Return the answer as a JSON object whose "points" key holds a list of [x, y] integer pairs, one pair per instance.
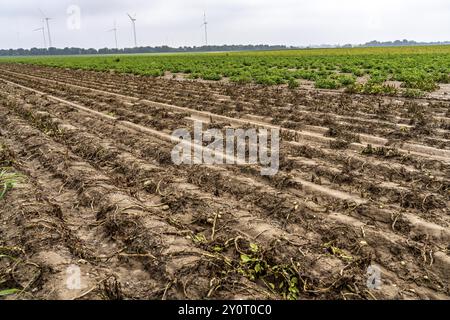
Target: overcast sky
{"points": [[178, 22]]}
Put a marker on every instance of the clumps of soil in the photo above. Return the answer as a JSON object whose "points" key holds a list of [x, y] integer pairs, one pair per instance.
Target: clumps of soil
{"points": [[162, 155], [7, 156], [137, 239], [218, 125], [271, 266], [182, 203], [17, 272], [421, 120], [339, 144], [416, 200], [383, 110], [111, 289], [283, 181], [217, 258], [305, 151], [208, 180], [384, 152], [339, 133]]}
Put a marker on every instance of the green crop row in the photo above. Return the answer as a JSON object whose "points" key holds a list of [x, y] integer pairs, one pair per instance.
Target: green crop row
{"points": [[360, 70]]}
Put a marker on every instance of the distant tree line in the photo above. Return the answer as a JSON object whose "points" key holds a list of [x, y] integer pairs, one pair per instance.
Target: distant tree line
{"points": [[161, 49], [223, 48], [375, 43], [400, 43]]}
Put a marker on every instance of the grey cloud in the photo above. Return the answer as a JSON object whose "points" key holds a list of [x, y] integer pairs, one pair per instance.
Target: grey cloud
{"points": [[177, 22]]}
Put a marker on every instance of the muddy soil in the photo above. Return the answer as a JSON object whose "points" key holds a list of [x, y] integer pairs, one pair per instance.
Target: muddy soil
{"points": [[364, 181]]}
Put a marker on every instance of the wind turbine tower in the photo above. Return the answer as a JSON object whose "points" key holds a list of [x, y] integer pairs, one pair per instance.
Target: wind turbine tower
{"points": [[115, 34], [43, 35], [48, 31], [46, 20], [133, 22], [205, 24]]}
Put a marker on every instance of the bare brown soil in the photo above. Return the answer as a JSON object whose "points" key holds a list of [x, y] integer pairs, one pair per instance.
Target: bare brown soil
{"points": [[364, 180]]}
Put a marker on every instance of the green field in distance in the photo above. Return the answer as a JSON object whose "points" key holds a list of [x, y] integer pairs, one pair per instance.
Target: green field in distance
{"points": [[360, 70]]}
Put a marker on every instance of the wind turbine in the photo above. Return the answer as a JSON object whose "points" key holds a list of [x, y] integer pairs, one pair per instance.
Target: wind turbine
{"points": [[46, 19], [43, 35], [115, 34], [205, 24], [133, 21]]}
